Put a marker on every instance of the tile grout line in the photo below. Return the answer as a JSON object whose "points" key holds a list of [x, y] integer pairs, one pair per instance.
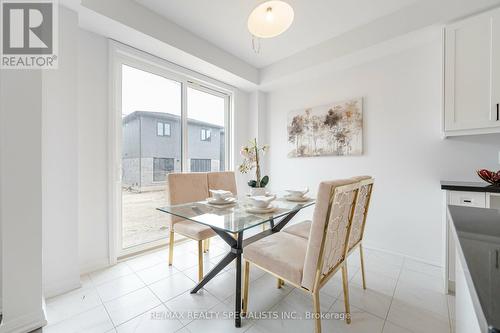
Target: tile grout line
{"points": [[255, 323], [145, 286], [164, 303], [102, 303], [93, 287], [82, 312], [394, 293], [134, 317]]}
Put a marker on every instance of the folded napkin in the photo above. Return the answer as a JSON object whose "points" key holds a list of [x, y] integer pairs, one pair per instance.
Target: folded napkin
{"points": [[221, 193]]}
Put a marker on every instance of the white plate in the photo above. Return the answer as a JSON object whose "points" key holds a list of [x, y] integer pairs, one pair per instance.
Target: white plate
{"points": [[227, 201], [296, 199], [224, 206], [256, 210], [268, 194], [297, 192]]}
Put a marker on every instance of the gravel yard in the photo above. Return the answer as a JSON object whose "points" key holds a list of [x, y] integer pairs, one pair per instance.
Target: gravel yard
{"points": [[142, 223]]}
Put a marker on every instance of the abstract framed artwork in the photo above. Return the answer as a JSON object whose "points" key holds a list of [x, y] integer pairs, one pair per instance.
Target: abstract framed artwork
{"points": [[335, 129]]}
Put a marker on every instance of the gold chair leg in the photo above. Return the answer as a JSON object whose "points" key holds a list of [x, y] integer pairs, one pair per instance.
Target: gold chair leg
{"points": [[346, 293], [362, 265], [171, 247], [207, 244], [200, 260], [361, 256], [280, 283], [246, 278], [317, 312]]}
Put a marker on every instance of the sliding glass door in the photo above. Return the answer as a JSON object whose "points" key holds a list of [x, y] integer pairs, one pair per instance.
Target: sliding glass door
{"points": [[206, 129], [168, 123], [151, 148]]}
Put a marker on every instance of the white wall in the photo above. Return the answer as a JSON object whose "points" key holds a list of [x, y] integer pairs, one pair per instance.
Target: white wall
{"points": [[74, 159], [60, 164], [92, 150], [402, 142], [242, 133], [21, 199], [131, 23]]}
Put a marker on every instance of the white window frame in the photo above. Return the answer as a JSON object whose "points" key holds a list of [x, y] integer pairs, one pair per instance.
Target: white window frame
{"points": [[120, 54], [163, 126]]}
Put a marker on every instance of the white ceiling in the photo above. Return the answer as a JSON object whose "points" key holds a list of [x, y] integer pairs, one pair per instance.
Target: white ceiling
{"points": [[224, 23]]}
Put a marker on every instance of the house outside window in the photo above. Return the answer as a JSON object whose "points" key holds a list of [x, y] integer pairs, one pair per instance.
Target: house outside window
{"points": [[163, 129], [161, 167], [205, 134], [201, 165]]}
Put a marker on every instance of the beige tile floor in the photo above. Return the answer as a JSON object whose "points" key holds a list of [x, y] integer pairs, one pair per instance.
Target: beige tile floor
{"points": [[403, 295]]}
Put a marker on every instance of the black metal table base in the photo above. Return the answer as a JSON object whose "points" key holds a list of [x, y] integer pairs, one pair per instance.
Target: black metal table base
{"points": [[237, 244]]}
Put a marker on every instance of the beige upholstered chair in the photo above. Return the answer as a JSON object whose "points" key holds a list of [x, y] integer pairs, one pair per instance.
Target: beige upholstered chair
{"points": [[358, 225], [224, 180], [308, 263], [184, 188], [359, 220], [189, 187]]}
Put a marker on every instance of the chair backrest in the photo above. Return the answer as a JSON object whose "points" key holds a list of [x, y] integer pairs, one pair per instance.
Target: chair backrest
{"points": [[184, 188], [224, 180], [361, 210], [329, 234]]}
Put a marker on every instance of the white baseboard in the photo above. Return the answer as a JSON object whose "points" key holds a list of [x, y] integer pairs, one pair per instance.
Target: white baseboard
{"points": [[96, 265], [368, 246], [60, 287], [25, 323]]}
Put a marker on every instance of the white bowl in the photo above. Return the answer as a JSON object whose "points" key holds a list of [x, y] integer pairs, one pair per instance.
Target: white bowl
{"points": [[297, 193], [220, 194], [261, 201]]}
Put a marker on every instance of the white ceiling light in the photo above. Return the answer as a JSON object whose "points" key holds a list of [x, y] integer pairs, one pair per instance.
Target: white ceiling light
{"points": [[270, 19]]}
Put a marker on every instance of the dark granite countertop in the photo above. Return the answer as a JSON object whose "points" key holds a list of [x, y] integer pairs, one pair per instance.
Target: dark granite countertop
{"points": [[477, 231], [469, 186]]}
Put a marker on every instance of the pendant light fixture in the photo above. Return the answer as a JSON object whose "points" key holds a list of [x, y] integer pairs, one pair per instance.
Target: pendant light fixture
{"points": [[269, 19]]}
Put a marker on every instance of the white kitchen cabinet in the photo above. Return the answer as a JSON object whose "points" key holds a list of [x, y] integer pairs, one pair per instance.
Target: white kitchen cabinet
{"points": [[466, 320], [472, 75], [470, 199], [459, 198]]}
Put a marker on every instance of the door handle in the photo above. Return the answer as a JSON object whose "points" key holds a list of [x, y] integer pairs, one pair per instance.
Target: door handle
{"points": [[498, 111]]}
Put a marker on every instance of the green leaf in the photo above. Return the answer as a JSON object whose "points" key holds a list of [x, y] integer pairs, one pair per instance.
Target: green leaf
{"points": [[252, 183], [264, 181]]}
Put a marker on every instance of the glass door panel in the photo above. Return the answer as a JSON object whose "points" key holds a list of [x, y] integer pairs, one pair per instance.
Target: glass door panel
{"points": [[151, 148], [206, 130]]}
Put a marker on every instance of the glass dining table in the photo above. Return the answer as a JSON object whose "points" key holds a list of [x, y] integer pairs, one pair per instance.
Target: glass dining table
{"points": [[229, 222]]}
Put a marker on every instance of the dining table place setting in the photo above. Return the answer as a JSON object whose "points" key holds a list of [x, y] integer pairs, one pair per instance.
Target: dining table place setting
{"points": [[261, 204], [215, 208], [221, 198], [297, 195]]}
